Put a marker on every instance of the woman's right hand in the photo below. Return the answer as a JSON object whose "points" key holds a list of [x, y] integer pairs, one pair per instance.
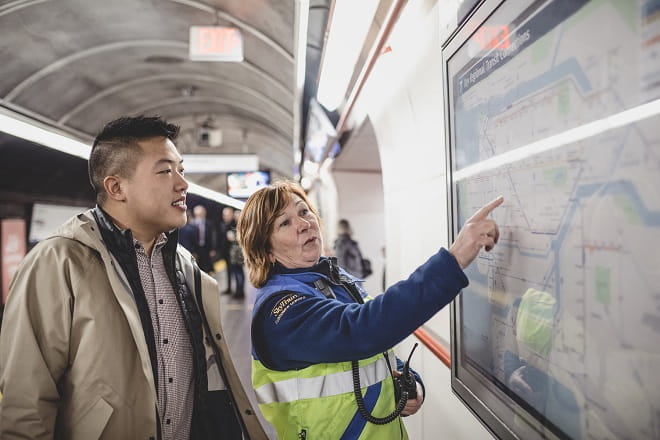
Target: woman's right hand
{"points": [[477, 232]]}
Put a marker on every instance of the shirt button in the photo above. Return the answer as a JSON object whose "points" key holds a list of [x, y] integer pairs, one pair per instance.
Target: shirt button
{"points": [[165, 341], [170, 380], [168, 421], [160, 301]]}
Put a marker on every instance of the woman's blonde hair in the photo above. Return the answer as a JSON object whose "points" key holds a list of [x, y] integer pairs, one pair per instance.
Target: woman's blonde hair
{"points": [[255, 226]]}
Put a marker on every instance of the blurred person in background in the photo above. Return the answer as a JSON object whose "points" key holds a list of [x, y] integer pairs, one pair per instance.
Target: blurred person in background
{"points": [[236, 261], [188, 233], [347, 250], [227, 223], [312, 322], [205, 244]]}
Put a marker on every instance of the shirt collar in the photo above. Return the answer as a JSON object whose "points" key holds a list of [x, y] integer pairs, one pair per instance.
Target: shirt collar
{"points": [[161, 241]]}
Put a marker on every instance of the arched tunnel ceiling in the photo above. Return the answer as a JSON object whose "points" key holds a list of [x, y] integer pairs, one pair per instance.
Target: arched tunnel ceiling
{"points": [[77, 64]]}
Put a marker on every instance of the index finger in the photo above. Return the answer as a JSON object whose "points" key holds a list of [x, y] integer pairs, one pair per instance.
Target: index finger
{"points": [[483, 212]]}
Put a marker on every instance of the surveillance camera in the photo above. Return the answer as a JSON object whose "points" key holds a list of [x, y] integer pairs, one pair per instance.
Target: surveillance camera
{"points": [[209, 137]]}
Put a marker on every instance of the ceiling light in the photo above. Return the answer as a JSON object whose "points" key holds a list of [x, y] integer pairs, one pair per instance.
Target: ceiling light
{"points": [[219, 163], [570, 136], [47, 137], [214, 195], [349, 25]]}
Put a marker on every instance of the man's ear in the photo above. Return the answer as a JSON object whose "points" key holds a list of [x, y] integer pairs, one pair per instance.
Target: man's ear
{"points": [[114, 189]]}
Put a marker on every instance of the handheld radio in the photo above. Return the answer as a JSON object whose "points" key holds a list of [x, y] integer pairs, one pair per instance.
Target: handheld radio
{"points": [[405, 388], [406, 382]]}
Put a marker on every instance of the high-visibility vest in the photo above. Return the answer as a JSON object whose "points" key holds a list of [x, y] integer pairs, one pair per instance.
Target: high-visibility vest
{"points": [[318, 402]]}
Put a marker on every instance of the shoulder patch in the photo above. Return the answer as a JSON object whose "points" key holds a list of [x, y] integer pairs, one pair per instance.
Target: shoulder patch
{"points": [[283, 304]]}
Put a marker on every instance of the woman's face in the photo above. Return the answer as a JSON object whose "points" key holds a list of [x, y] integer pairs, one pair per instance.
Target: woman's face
{"points": [[296, 238]]}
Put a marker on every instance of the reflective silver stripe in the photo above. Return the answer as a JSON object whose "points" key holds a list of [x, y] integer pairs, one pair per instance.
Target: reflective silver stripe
{"points": [[296, 388]]}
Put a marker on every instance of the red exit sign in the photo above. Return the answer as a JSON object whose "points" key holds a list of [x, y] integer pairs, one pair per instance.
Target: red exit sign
{"points": [[491, 37], [215, 43]]}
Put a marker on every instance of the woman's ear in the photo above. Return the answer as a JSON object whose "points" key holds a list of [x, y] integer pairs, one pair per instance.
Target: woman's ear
{"points": [[271, 258], [114, 189]]}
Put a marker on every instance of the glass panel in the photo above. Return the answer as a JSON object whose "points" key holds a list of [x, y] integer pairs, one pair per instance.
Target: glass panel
{"points": [[554, 105]]}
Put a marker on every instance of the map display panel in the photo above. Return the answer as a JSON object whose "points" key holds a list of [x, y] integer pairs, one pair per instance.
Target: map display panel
{"points": [[555, 105]]}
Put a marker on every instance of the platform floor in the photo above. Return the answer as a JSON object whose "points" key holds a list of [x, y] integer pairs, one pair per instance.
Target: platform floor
{"points": [[236, 316]]}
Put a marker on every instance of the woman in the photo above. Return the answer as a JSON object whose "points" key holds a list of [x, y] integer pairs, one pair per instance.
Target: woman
{"points": [[314, 336]]}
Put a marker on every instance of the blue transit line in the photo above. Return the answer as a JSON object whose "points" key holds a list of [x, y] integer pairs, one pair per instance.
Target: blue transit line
{"points": [[562, 26], [617, 187], [467, 120], [650, 7]]}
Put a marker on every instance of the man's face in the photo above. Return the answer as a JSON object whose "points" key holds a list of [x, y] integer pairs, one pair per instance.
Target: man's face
{"points": [[156, 192], [227, 214], [200, 212]]}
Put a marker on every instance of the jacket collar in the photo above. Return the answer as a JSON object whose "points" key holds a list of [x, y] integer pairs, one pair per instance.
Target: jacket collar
{"points": [[118, 238], [114, 236], [326, 266]]}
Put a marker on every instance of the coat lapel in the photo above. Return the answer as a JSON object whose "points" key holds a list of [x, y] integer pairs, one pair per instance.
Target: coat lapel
{"points": [[124, 296]]}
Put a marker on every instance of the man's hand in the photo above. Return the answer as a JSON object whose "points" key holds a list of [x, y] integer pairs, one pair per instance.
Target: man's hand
{"points": [[477, 232]]}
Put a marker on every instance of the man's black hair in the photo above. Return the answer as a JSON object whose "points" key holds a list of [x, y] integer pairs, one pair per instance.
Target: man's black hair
{"points": [[128, 129]]}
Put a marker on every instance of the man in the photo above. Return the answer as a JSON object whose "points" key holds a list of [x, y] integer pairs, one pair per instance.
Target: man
{"points": [[205, 239], [188, 233], [227, 223], [110, 330]]}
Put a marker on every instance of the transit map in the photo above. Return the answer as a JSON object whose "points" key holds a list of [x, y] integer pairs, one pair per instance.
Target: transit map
{"points": [[556, 107]]}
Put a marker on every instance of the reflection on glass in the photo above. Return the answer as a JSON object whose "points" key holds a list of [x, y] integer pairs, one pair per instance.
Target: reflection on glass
{"points": [[561, 321]]}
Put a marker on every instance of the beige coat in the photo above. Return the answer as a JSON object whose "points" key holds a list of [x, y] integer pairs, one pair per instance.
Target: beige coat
{"points": [[74, 362]]}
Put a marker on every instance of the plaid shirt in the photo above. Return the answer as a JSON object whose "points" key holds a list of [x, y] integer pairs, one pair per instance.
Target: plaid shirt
{"points": [[174, 351]]}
